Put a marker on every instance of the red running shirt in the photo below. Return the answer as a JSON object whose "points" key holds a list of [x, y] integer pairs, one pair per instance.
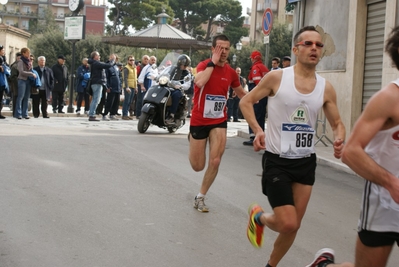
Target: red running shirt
{"points": [[210, 101]]}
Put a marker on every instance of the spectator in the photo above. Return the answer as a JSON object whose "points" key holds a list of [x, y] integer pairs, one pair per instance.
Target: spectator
{"points": [[275, 63], [60, 72], [24, 87], [14, 81], [147, 74], [129, 86], [234, 101], [139, 99], [47, 80], [113, 90], [98, 80], [4, 74], [258, 70], [82, 91], [286, 61], [190, 93]]}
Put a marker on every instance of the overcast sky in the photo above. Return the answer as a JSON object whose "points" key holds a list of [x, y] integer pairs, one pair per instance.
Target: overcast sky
{"points": [[245, 4]]}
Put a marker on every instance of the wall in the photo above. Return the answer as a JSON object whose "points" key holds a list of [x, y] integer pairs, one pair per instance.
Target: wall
{"points": [[13, 39]]}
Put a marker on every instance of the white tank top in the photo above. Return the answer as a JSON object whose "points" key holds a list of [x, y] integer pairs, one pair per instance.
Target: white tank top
{"points": [[379, 212], [292, 117]]}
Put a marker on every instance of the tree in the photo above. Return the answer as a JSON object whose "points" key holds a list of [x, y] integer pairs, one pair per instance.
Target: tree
{"points": [[137, 14], [280, 42], [43, 23]]}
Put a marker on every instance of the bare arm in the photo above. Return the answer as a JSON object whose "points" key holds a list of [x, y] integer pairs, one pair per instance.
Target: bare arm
{"points": [[266, 87], [382, 112], [332, 114]]}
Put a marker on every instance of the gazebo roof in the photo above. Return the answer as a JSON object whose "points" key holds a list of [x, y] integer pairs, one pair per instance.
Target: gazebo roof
{"points": [[161, 36]]}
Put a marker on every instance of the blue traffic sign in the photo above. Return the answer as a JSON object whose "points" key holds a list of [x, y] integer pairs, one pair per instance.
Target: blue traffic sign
{"points": [[267, 21]]}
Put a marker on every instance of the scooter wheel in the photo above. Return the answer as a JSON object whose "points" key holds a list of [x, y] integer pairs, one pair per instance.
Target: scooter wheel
{"points": [[172, 129]]}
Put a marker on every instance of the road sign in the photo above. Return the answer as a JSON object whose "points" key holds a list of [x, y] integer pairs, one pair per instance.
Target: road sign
{"points": [[266, 39], [267, 21]]}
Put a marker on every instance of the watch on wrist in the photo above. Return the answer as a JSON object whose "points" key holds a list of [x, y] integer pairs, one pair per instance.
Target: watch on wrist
{"points": [[210, 64]]}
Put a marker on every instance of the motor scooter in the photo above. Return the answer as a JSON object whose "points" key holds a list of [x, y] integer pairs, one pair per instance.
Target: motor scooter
{"points": [[156, 103]]}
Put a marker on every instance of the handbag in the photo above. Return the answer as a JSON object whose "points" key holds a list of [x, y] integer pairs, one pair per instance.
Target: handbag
{"points": [[34, 90]]}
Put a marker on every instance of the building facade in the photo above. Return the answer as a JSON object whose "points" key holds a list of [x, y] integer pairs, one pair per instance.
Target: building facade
{"points": [[354, 33], [20, 14], [256, 17]]}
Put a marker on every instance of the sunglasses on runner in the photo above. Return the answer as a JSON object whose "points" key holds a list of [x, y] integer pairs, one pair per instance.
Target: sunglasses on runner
{"points": [[310, 43]]}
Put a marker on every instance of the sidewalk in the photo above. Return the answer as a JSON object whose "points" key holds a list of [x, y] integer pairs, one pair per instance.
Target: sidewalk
{"points": [[324, 153]]}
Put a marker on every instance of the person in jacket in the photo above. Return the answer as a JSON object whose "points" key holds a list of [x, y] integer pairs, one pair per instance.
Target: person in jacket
{"points": [[47, 80], [4, 74], [24, 86], [60, 72], [113, 90], [258, 70], [80, 89], [14, 81], [98, 80], [129, 86]]}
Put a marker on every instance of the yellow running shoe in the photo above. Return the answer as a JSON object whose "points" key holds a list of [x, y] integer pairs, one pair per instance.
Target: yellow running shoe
{"points": [[254, 230]]}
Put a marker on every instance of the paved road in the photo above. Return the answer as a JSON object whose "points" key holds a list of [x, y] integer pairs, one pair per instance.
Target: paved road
{"points": [[74, 193]]}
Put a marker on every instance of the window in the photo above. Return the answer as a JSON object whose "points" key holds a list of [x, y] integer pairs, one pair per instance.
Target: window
{"points": [[26, 9], [25, 24]]}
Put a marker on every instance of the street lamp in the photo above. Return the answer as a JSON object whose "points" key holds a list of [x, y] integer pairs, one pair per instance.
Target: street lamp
{"points": [[239, 46], [234, 59]]}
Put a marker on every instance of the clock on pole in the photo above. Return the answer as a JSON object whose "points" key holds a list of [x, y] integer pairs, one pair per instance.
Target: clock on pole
{"points": [[75, 5]]}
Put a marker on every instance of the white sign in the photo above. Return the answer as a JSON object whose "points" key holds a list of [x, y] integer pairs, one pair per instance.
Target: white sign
{"points": [[75, 28], [266, 39]]}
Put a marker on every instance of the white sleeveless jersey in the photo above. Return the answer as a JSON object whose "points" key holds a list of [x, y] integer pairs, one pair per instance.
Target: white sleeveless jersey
{"points": [[379, 212], [292, 117]]}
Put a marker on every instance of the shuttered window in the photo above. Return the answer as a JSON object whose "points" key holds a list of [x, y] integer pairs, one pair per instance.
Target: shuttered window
{"points": [[374, 50]]}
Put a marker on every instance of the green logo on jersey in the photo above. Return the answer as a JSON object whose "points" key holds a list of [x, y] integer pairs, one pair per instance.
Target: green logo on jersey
{"points": [[300, 115]]}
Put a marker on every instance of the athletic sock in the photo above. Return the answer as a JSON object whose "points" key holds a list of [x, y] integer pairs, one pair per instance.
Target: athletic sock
{"points": [[268, 265], [257, 218], [200, 195]]}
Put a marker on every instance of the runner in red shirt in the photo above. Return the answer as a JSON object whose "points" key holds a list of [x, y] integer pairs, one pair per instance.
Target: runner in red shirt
{"points": [[209, 119]]}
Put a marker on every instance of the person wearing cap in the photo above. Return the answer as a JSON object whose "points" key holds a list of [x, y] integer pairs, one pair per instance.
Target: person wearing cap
{"points": [[296, 95], [258, 70], [208, 123], [286, 61], [60, 72], [14, 81]]}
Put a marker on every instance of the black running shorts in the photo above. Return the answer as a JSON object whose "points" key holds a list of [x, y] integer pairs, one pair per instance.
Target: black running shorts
{"points": [[279, 174], [378, 239], [202, 132]]}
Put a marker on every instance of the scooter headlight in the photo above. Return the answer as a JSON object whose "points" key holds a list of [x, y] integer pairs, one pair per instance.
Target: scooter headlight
{"points": [[163, 80]]}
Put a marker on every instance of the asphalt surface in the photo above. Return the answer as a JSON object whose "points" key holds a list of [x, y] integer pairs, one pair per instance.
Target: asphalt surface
{"points": [[79, 193]]}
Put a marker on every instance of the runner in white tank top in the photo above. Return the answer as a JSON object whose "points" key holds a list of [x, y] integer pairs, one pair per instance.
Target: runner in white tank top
{"points": [[292, 117], [295, 94], [372, 151]]}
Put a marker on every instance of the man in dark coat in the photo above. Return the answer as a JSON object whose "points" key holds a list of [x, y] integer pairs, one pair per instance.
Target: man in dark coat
{"points": [[47, 78], [60, 72], [14, 81], [82, 91], [98, 80], [113, 91]]}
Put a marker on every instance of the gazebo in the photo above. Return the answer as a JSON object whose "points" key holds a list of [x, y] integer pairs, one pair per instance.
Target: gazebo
{"points": [[160, 36]]}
